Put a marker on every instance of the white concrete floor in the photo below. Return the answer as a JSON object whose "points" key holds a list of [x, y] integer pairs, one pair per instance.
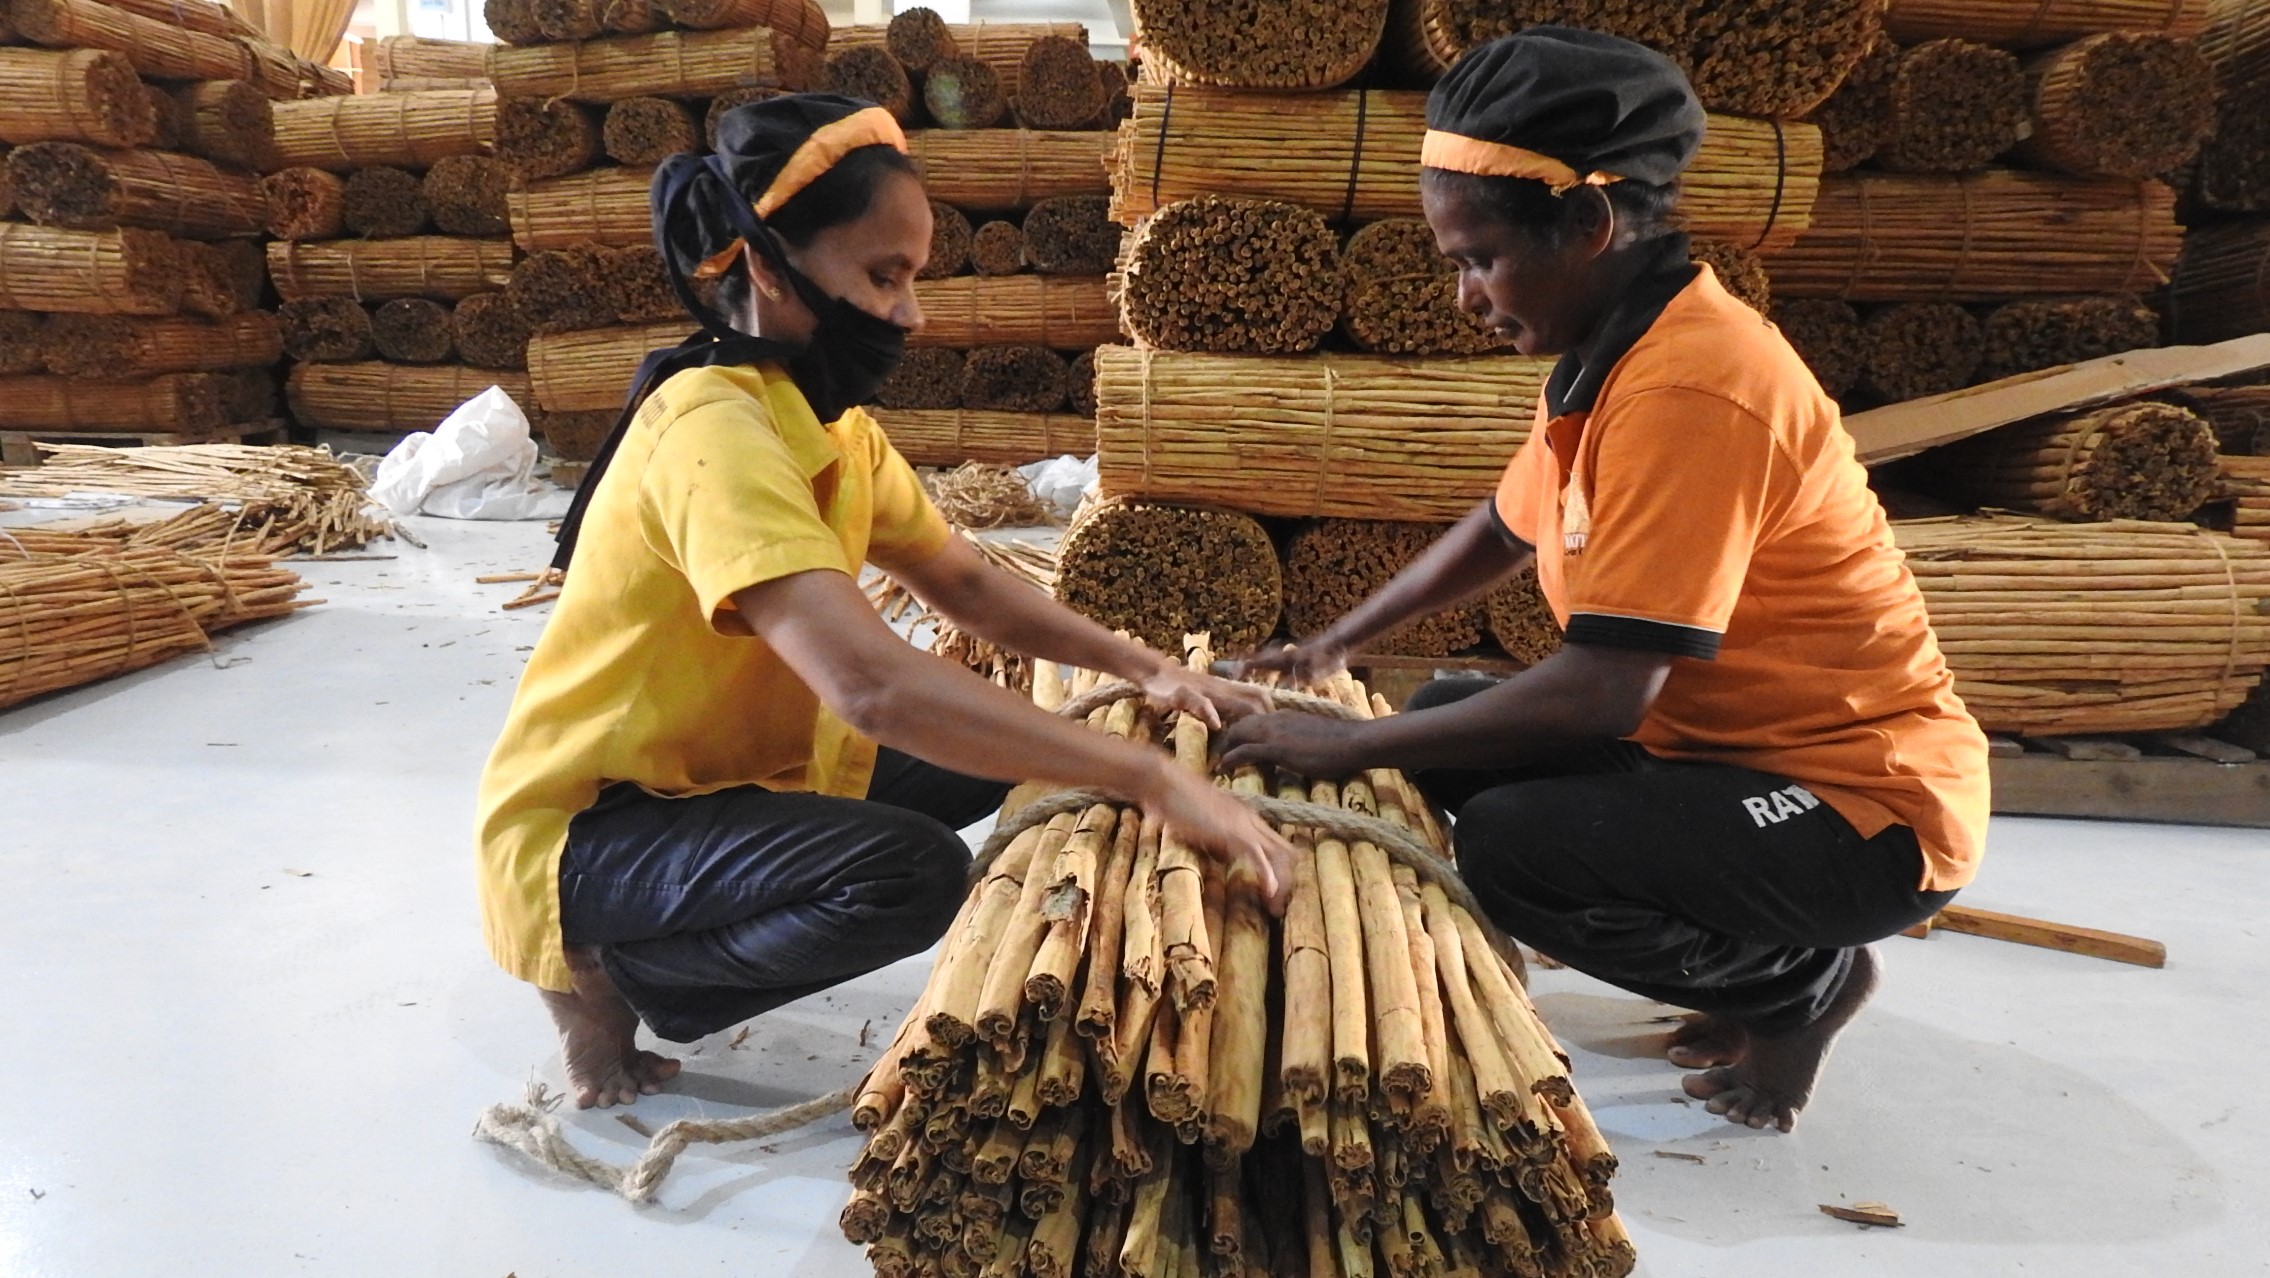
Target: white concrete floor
{"points": [[247, 1019]]}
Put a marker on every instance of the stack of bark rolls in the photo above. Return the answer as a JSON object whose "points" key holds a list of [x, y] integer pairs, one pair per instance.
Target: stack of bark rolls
{"points": [[2218, 289], [591, 94], [404, 63], [391, 255], [2123, 626], [1011, 128], [2015, 162], [131, 278], [1299, 354], [1005, 121], [1121, 1066]]}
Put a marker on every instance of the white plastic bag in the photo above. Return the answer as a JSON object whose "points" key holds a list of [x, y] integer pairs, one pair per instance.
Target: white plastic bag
{"points": [[1061, 481], [480, 463]]}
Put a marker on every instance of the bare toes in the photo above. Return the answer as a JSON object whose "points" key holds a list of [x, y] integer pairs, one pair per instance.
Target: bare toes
{"points": [[1708, 1084]]}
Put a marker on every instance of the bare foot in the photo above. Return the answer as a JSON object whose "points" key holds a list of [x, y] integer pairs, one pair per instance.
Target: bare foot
{"points": [[1707, 1040], [598, 1033], [1772, 1082]]}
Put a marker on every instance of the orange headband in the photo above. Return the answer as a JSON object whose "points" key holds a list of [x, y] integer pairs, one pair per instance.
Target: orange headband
{"points": [[818, 153], [1460, 154]]}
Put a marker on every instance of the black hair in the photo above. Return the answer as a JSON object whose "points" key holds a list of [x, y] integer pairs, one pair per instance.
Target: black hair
{"points": [[1648, 209], [842, 194]]}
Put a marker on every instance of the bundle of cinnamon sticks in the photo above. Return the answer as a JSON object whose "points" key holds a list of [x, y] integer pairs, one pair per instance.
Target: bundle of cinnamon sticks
{"points": [[1122, 1066]]}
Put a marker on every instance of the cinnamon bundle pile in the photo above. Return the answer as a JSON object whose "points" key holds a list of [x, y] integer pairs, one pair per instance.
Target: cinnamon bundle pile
{"points": [[1224, 273], [1121, 1066], [1402, 294], [1335, 564], [69, 619], [2145, 460], [2055, 628], [1159, 572]]}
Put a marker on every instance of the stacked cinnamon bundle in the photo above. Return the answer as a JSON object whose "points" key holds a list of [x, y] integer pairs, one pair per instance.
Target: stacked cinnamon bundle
{"points": [[403, 63], [2000, 195], [130, 274], [1300, 354], [1120, 1066], [2217, 291], [391, 254], [1008, 122], [590, 96], [2122, 626], [1003, 119], [77, 618]]}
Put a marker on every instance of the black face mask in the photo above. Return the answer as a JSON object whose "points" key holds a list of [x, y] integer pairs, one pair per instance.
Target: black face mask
{"points": [[851, 354]]}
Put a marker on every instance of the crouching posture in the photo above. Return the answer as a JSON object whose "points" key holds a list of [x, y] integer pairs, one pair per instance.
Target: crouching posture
{"points": [[1748, 761], [724, 783]]}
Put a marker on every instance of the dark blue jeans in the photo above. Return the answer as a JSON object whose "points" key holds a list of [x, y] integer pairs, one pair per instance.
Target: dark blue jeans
{"points": [[1716, 888], [707, 911]]}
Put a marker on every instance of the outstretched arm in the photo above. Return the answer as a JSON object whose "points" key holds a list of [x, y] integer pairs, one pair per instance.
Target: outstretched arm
{"points": [[995, 606], [1581, 693], [825, 630]]}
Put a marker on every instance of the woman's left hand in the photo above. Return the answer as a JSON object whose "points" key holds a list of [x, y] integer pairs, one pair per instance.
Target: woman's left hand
{"points": [[1213, 700], [1307, 744]]}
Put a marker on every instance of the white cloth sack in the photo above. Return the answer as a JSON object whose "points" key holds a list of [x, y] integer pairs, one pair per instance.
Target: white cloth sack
{"points": [[480, 463], [1061, 481]]}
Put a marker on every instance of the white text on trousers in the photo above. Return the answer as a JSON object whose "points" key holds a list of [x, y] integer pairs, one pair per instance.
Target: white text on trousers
{"points": [[1773, 809]]}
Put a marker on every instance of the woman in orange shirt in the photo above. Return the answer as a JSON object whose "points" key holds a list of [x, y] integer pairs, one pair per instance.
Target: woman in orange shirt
{"points": [[1748, 761]]}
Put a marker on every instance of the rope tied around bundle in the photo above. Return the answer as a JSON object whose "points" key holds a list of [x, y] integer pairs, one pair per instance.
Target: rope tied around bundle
{"points": [[1401, 844], [533, 1129]]}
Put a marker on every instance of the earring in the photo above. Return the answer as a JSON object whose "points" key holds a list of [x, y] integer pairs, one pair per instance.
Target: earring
{"points": [[772, 292]]}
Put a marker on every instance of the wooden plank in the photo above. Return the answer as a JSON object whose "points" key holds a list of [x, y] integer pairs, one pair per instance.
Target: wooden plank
{"points": [[1903, 430], [2088, 748], [2187, 791], [2004, 748], [2018, 929], [2207, 747]]}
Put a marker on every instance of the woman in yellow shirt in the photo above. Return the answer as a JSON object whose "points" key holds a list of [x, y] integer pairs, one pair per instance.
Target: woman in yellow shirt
{"points": [[687, 819]]}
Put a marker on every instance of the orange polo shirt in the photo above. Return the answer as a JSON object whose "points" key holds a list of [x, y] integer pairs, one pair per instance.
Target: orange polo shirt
{"points": [[1691, 490]]}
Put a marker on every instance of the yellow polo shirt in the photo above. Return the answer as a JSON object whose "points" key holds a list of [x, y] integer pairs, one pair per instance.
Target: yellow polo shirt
{"points": [[645, 673]]}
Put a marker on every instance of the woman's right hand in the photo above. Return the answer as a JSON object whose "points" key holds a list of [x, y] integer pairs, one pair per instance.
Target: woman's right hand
{"points": [[1303, 664], [1216, 823]]}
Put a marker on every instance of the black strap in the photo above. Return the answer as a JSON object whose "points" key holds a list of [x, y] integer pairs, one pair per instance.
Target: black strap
{"points": [[1159, 153], [1355, 159], [1780, 182]]}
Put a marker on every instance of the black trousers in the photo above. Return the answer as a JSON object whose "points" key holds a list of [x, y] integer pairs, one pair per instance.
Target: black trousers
{"points": [[1703, 886], [707, 911]]}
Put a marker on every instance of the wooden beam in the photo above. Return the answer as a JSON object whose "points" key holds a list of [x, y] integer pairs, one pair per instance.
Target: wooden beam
{"points": [[2183, 791], [2018, 929], [2091, 749], [2207, 747], [1903, 430]]}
